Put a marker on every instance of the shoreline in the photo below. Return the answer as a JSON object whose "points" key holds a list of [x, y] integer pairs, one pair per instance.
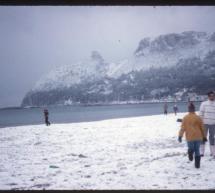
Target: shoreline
{"points": [[95, 104], [93, 121]]}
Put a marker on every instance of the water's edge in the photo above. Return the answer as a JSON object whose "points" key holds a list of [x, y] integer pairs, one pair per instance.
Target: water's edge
{"points": [[73, 114]]}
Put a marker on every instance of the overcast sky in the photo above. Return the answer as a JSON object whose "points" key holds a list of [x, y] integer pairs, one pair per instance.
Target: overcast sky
{"points": [[35, 39]]}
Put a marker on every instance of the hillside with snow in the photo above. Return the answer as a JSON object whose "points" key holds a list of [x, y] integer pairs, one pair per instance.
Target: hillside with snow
{"points": [[96, 79], [128, 153], [92, 69]]}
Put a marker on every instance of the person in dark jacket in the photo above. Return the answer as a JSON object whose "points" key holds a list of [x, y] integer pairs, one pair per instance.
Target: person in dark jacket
{"points": [[175, 108], [193, 128], [165, 108], [46, 115]]}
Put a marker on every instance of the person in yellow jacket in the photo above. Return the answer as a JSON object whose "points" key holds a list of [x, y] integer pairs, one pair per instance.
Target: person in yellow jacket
{"points": [[193, 128]]}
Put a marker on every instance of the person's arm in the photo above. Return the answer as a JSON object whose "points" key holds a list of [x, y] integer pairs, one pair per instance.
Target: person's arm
{"points": [[181, 132], [204, 138], [202, 111]]}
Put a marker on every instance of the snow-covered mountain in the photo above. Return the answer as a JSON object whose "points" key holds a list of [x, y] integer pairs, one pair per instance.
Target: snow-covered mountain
{"points": [[67, 75], [167, 50]]}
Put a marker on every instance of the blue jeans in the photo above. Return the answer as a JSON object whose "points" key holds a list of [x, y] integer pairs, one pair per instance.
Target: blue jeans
{"points": [[194, 146]]}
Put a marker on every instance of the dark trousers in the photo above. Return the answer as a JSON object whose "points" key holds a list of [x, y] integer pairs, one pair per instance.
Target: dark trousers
{"points": [[47, 121]]}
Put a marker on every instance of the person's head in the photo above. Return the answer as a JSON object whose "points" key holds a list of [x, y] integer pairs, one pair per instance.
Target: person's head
{"points": [[211, 95], [191, 108]]}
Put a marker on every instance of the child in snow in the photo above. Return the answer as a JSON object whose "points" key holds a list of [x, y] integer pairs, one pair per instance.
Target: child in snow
{"points": [[193, 128]]}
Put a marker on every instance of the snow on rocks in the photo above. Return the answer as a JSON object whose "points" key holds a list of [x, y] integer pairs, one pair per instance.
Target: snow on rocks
{"points": [[127, 153]]}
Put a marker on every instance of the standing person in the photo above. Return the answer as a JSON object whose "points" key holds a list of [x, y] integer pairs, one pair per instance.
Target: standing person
{"points": [[193, 128], [165, 107], [207, 113], [46, 115], [175, 108]]}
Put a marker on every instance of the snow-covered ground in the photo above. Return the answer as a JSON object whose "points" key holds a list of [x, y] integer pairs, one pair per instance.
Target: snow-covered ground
{"points": [[127, 153]]}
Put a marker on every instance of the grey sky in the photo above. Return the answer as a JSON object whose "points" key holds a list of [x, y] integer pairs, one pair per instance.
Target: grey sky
{"points": [[35, 39]]}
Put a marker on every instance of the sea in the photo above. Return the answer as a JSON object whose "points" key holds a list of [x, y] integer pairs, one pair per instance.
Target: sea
{"points": [[70, 114]]}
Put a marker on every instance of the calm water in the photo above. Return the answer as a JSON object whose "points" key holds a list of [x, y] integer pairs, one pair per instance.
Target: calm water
{"points": [[69, 114]]}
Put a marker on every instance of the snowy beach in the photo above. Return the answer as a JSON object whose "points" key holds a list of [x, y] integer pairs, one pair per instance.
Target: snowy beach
{"points": [[127, 153]]}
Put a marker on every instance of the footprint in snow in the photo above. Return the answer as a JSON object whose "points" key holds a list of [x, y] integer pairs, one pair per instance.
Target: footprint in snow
{"points": [[82, 156], [184, 178], [123, 168], [52, 166], [155, 185], [12, 184], [38, 143], [41, 185], [71, 154]]}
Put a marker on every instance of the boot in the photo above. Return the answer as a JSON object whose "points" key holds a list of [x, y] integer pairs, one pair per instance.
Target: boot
{"points": [[190, 154], [212, 150], [202, 150], [197, 161]]}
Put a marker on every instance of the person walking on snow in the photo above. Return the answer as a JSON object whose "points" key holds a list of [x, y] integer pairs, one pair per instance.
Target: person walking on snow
{"points": [[193, 128], [207, 113], [175, 108], [46, 115], [165, 107]]}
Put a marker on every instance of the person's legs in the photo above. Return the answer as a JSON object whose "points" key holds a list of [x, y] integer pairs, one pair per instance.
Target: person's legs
{"points": [[197, 148], [46, 121], [202, 146], [190, 145], [211, 139], [197, 153]]}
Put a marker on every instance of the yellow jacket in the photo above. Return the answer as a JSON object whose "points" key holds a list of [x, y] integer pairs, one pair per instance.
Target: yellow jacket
{"points": [[193, 127]]}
